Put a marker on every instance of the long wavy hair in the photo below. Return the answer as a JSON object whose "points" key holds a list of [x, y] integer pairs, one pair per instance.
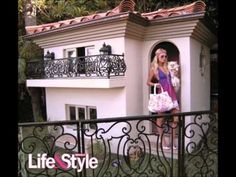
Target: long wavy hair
{"points": [[155, 61]]}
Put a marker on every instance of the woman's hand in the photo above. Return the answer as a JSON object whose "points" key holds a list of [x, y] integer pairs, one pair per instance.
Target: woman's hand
{"points": [[157, 85]]}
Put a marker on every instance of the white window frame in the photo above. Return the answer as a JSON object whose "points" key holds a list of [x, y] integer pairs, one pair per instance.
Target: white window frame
{"points": [[86, 109], [66, 51], [90, 50]]}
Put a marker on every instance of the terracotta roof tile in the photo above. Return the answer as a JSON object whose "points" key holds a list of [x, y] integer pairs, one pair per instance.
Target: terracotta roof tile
{"points": [[197, 6], [124, 6], [110, 13], [96, 16]]}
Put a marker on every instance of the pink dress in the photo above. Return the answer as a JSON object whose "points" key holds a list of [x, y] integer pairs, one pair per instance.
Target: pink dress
{"points": [[165, 81]]}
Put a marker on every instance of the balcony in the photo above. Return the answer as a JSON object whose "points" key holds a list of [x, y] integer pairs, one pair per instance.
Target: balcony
{"points": [[123, 146], [95, 71], [100, 66]]}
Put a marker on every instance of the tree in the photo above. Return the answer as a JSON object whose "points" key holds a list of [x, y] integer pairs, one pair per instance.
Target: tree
{"points": [[48, 11], [25, 53]]}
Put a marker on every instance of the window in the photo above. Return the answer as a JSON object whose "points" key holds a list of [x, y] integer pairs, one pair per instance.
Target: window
{"points": [[79, 54], [89, 51], [81, 113], [69, 53], [92, 114], [77, 112], [72, 113]]}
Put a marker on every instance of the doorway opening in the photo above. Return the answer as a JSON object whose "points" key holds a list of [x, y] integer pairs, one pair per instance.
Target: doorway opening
{"points": [[173, 55]]}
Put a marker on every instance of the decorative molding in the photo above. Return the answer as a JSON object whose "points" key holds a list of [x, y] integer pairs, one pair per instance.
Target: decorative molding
{"points": [[131, 26], [92, 33], [202, 34]]}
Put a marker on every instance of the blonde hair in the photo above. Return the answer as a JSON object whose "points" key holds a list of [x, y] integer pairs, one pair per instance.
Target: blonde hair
{"points": [[155, 61]]}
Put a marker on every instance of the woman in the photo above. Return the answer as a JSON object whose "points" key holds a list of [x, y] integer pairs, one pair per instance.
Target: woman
{"points": [[160, 71]]}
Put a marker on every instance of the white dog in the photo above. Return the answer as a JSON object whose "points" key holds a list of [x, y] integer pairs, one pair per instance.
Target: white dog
{"points": [[174, 72]]}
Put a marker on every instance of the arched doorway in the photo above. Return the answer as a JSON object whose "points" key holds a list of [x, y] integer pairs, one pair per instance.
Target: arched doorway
{"points": [[172, 51], [173, 55]]}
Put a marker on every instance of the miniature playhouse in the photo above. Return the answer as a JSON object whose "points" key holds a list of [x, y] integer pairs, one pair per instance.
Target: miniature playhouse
{"points": [[99, 63]]}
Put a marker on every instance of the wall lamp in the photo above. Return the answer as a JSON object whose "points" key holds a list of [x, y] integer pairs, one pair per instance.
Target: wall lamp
{"points": [[49, 55], [202, 61], [105, 49]]}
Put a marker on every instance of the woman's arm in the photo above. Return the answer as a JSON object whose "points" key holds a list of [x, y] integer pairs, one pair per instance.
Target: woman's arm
{"points": [[151, 75]]}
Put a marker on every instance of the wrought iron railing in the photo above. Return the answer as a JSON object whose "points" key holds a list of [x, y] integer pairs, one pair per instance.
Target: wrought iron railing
{"points": [[123, 146], [86, 66]]}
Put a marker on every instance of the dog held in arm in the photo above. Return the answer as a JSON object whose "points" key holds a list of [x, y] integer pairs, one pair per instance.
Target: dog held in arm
{"points": [[174, 72]]}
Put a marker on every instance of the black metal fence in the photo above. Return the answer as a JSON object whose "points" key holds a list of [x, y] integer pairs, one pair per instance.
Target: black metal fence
{"points": [[122, 146], [87, 66]]}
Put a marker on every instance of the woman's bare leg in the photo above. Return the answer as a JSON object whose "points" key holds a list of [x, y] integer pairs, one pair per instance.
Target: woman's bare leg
{"points": [[159, 123], [174, 126]]}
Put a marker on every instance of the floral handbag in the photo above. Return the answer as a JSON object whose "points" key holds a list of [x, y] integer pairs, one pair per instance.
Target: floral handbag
{"points": [[160, 102]]}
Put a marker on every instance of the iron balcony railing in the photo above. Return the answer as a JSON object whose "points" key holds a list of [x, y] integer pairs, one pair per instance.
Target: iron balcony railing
{"points": [[123, 146], [87, 66]]}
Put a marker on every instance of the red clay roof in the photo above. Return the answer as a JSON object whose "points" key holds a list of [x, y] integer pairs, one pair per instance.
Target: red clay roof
{"points": [[124, 6]]}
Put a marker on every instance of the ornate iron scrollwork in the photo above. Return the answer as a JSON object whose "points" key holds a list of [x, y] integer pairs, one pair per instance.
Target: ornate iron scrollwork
{"points": [[106, 65], [126, 146]]}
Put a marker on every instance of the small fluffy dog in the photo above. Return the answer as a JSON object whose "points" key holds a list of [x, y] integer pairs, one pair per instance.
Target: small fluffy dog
{"points": [[174, 72]]}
